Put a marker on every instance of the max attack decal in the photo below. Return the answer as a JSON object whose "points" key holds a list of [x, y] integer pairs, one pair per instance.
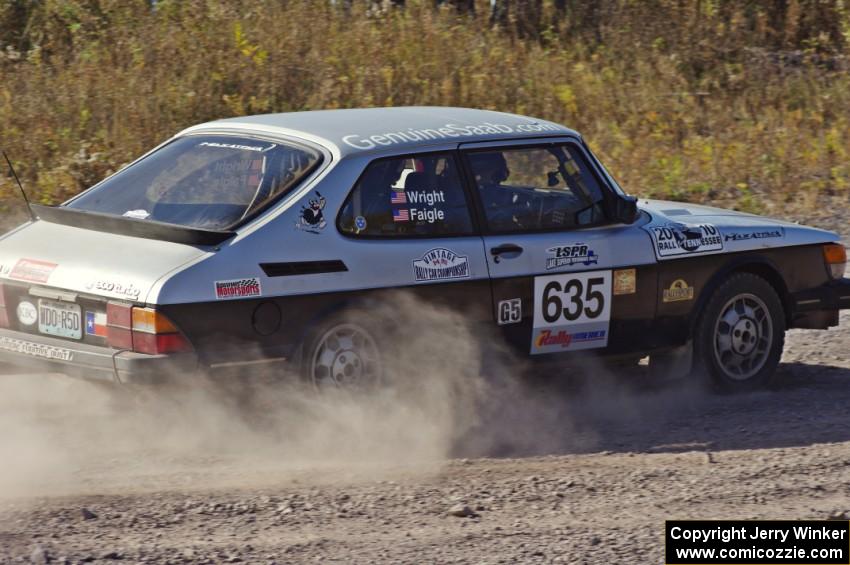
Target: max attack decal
{"points": [[680, 239], [441, 264], [678, 291], [239, 288], [568, 255], [312, 217], [765, 234], [31, 270]]}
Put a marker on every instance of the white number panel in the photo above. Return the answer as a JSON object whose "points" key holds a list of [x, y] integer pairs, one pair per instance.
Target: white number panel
{"points": [[572, 311]]}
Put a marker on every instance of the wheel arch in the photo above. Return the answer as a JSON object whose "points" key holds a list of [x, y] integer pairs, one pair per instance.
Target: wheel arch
{"points": [[755, 265]]}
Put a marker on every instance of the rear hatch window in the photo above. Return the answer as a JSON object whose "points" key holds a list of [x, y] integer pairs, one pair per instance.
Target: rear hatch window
{"points": [[208, 182]]}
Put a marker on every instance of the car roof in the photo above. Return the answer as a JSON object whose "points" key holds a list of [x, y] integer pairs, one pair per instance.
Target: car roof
{"points": [[398, 129]]}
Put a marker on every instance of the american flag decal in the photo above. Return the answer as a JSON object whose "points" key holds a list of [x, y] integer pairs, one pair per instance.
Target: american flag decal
{"points": [[401, 216], [398, 198]]}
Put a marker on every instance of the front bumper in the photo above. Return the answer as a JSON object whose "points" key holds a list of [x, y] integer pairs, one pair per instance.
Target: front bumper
{"points": [[55, 355], [818, 307]]}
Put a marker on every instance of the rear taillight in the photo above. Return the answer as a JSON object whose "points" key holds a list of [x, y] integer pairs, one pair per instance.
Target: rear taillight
{"points": [[835, 257], [4, 315], [143, 330]]}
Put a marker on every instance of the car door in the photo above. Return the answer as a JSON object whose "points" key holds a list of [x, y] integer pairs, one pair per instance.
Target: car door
{"points": [[565, 277]]}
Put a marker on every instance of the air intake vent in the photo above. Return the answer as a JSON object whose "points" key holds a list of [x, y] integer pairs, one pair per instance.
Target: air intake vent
{"points": [[302, 268]]}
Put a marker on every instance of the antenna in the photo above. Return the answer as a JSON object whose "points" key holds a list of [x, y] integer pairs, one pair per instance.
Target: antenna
{"points": [[24, 194]]}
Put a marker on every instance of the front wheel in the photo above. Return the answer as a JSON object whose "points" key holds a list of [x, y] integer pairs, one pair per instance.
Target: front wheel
{"points": [[740, 334]]}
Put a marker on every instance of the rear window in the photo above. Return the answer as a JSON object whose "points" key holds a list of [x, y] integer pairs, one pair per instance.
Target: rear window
{"points": [[210, 182]]}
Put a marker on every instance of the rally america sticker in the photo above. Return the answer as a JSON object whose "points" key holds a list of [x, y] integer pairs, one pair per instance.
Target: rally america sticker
{"points": [[239, 288], [441, 264], [675, 239]]}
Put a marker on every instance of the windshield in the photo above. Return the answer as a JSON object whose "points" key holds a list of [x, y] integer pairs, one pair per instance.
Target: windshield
{"points": [[209, 182]]}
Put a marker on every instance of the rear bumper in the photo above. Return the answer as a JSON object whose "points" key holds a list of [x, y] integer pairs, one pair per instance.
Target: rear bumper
{"points": [[818, 307], [48, 354]]}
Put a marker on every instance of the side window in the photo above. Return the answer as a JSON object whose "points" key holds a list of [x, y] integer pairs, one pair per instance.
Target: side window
{"points": [[536, 188], [420, 195]]}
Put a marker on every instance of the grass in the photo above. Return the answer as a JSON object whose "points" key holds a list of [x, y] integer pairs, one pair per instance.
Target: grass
{"points": [[697, 100]]}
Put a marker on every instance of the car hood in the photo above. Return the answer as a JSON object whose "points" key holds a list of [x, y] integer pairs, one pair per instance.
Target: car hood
{"points": [[90, 262], [736, 231]]}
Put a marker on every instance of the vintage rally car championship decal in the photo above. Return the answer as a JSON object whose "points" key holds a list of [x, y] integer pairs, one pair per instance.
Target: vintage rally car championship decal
{"points": [[441, 264], [572, 311], [675, 239], [30, 270], [35, 349], [238, 288]]}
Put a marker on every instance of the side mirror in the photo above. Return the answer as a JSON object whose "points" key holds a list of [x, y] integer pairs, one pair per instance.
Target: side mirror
{"points": [[626, 210]]}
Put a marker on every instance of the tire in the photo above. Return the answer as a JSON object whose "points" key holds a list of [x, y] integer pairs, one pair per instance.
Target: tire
{"points": [[740, 334], [343, 352]]}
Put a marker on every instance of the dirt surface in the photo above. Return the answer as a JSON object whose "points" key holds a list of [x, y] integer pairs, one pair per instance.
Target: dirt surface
{"points": [[579, 470]]}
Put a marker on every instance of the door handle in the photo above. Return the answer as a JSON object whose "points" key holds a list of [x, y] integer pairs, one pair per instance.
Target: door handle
{"points": [[505, 248]]}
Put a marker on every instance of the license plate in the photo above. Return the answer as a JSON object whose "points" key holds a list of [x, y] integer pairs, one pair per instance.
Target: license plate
{"points": [[61, 319]]}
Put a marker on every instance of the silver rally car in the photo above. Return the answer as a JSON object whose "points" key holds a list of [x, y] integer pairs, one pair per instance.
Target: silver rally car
{"points": [[268, 238]]}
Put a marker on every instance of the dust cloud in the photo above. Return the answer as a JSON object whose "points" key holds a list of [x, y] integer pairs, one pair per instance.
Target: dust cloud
{"points": [[452, 392]]}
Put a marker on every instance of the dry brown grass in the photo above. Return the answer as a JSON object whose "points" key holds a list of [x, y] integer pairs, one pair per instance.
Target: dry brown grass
{"points": [[695, 100]]}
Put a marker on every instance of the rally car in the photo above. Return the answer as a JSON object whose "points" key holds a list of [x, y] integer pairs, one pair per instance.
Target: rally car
{"points": [[265, 239]]}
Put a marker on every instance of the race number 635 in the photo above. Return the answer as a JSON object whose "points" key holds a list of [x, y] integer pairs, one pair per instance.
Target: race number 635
{"points": [[572, 298]]}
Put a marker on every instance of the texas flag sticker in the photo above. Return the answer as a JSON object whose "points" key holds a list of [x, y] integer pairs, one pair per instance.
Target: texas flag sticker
{"points": [[96, 323]]}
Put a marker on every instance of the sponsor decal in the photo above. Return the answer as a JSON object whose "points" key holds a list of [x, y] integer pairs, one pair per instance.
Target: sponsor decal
{"points": [[509, 311], [27, 313], [312, 216], [137, 214], [568, 255], [625, 281], [235, 146], [237, 288], [675, 239], [678, 291], [35, 349], [360, 223], [31, 270], [572, 311], [106, 286], [447, 131], [441, 264], [766, 234], [96, 323], [564, 340]]}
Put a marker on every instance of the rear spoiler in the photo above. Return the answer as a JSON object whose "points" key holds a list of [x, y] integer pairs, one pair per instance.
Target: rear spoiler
{"points": [[132, 227]]}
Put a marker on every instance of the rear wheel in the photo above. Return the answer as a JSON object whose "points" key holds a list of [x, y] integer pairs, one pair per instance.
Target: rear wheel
{"points": [[740, 334], [343, 353]]}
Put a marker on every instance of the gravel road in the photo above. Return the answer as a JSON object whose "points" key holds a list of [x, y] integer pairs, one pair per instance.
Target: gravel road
{"points": [[584, 472]]}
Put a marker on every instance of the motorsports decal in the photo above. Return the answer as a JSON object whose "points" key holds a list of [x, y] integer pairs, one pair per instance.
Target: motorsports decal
{"points": [[625, 281], [30, 270], [678, 292], [569, 255], [447, 132], [571, 312], [441, 264], [239, 288], [764, 234], [675, 239], [35, 349]]}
